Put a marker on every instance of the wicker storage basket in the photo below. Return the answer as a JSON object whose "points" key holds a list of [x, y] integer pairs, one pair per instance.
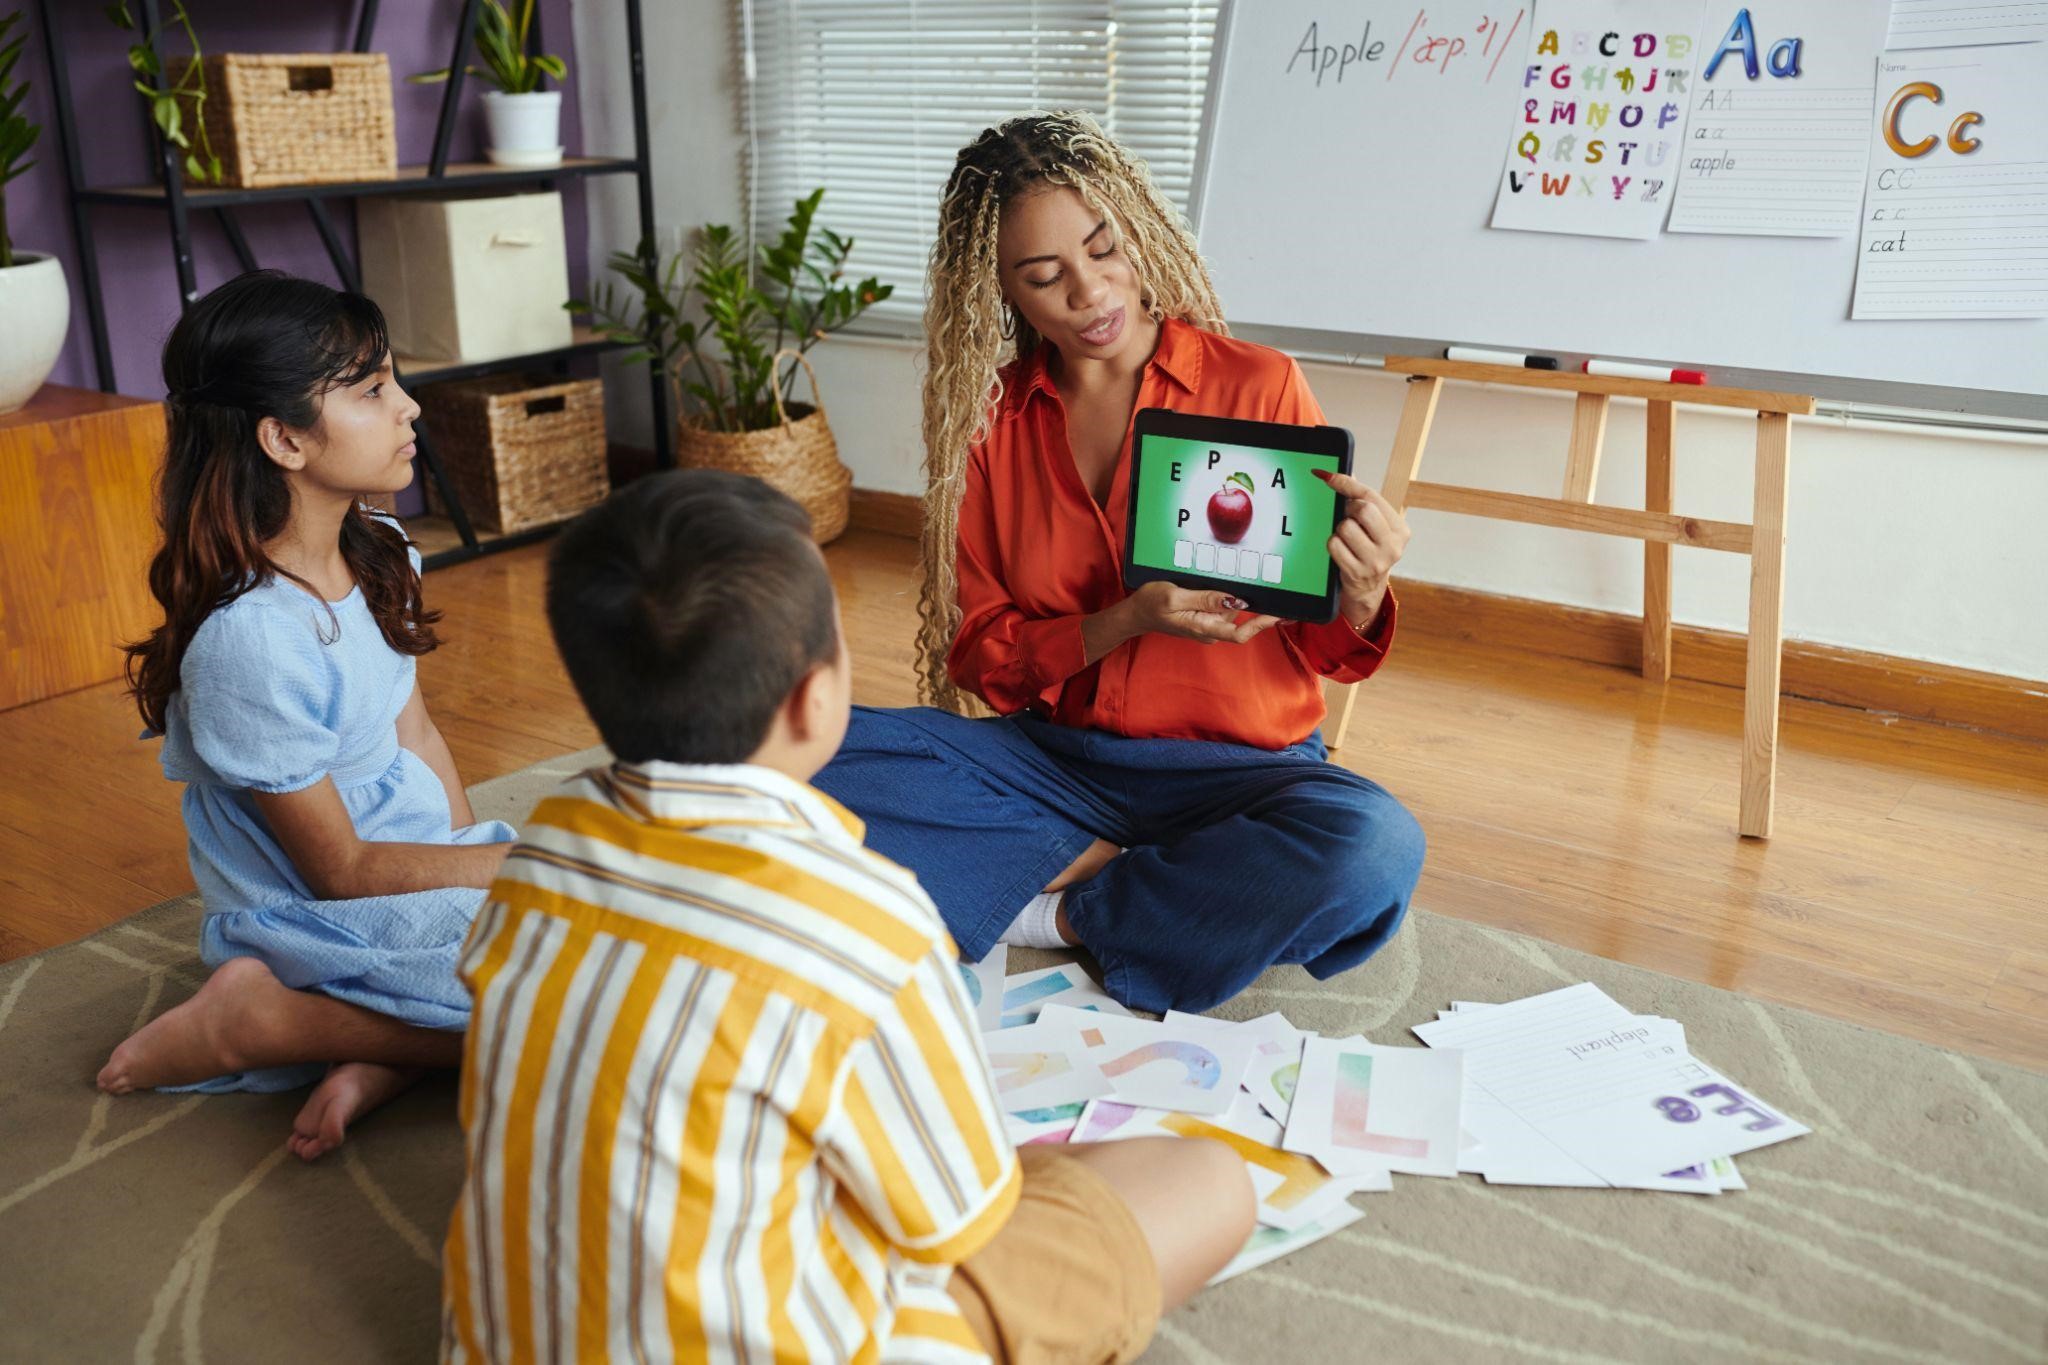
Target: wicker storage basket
{"points": [[304, 118], [520, 450], [799, 457]]}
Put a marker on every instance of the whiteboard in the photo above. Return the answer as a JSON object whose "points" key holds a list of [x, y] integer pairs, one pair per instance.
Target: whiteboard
{"points": [[1351, 216]]}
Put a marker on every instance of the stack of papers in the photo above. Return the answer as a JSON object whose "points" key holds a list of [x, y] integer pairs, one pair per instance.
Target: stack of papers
{"points": [[1566, 1088], [1569, 1088]]}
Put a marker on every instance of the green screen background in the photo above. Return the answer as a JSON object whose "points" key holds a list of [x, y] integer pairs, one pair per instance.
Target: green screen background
{"points": [[1303, 507]]}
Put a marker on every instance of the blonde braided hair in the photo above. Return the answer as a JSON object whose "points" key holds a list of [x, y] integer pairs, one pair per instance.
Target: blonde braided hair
{"points": [[965, 344]]}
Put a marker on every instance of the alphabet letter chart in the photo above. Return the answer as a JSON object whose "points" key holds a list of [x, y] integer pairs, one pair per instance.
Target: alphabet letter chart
{"points": [[1599, 117], [1955, 215], [1780, 116]]}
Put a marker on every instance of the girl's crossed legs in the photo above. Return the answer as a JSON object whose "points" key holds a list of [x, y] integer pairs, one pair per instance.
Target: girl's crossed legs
{"points": [[245, 1019]]}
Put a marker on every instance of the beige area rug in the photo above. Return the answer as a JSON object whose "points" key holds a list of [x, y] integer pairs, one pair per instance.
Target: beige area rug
{"points": [[1913, 1225]]}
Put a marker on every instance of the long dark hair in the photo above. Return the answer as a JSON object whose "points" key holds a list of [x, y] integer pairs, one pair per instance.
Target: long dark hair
{"points": [[262, 345]]}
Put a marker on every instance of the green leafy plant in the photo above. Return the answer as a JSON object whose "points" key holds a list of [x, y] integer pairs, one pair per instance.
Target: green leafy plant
{"points": [[17, 134], [794, 298], [168, 107], [501, 42]]}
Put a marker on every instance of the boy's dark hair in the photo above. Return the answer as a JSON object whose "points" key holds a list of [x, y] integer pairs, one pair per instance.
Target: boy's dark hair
{"points": [[687, 607]]}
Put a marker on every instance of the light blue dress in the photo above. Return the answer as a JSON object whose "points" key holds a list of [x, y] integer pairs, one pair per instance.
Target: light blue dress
{"points": [[277, 691]]}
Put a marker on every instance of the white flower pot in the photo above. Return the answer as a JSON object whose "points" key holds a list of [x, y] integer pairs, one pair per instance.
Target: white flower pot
{"points": [[36, 303], [526, 130]]}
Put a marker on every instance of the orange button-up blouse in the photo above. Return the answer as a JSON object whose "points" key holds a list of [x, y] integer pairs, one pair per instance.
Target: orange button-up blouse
{"points": [[1037, 554]]}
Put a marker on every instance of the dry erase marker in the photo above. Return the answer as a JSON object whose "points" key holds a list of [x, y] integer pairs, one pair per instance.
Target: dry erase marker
{"points": [[1616, 369], [1527, 362]]}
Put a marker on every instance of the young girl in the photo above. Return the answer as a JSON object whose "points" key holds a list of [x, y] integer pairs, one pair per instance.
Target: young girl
{"points": [[338, 858], [1154, 785]]}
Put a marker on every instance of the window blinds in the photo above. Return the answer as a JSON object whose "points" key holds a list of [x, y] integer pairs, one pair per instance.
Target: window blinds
{"points": [[874, 100]]}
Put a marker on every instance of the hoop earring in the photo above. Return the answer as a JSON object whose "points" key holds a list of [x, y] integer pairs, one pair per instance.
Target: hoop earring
{"points": [[1007, 328]]}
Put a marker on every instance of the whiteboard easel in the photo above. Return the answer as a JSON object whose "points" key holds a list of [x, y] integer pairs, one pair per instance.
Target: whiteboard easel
{"points": [[1656, 525]]}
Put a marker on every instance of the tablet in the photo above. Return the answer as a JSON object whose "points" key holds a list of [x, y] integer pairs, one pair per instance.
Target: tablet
{"points": [[1236, 506]]}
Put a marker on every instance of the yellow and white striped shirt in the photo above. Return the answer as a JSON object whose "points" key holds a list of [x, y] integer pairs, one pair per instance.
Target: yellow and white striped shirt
{"points": [[723, 1093]]}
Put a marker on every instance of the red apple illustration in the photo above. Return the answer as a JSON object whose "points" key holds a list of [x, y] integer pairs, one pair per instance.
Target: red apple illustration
{"points": [[1230, 508]]}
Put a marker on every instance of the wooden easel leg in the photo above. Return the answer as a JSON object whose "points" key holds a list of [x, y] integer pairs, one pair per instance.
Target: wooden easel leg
{"points": [[1417, 412], [1766, 625], [1344, 717], [1657, 553], [1409, 438]]}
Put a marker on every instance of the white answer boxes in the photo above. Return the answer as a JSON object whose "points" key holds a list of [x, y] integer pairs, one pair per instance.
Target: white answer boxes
{"points": [[1226, 561]]}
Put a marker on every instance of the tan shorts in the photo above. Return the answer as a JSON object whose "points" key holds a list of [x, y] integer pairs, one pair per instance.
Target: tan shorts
{"points": [[1070, 1278]]}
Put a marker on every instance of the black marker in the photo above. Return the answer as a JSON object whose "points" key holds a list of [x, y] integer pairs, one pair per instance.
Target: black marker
{"points": [[1526, 362]]}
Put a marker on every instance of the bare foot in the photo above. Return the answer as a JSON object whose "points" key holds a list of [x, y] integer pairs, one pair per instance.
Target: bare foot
{"points": [[207, 1036], [350, 1091]]}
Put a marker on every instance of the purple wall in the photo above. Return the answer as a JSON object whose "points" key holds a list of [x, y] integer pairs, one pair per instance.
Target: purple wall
{"points": [[137, 276]]}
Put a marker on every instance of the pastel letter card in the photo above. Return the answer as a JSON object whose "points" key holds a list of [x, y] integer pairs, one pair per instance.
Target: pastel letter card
{"points": [[1395, 1105]]}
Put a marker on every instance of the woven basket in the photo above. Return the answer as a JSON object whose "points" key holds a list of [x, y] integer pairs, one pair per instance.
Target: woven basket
{"points": [[520, 450], [306, 118], [799, 457]]}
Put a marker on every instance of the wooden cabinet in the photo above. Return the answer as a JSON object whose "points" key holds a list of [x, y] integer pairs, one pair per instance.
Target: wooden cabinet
{"points": [[77, 529]]}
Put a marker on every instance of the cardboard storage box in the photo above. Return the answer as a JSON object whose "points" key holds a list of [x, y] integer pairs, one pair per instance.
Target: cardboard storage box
{"points": [[467, 279]]}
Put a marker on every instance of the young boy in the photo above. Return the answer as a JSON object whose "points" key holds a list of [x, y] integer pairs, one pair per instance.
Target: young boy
{"points": [[723, 1094]]}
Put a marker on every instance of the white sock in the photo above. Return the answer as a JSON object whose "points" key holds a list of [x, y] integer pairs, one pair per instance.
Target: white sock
{"points": [[1037, 924]]}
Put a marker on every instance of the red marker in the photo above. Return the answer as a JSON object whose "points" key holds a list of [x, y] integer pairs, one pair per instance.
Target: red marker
{"points": [[1617, 369]]}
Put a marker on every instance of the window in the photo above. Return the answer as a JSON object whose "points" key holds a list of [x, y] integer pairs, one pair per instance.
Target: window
{"points": [[873, 101]]}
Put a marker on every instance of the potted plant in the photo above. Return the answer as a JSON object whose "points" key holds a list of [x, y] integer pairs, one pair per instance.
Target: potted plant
{"points": [[525, 121], [34, 296], [736, 406], [167, 107]]}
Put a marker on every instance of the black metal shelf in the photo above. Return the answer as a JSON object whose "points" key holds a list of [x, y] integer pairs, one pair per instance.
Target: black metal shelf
{"points": [[461, 175], [462, 553], [589, 341], [179, 201]]}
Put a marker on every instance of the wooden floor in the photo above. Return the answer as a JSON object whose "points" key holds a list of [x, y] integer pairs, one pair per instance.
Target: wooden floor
{"points": [[1907, 887]]}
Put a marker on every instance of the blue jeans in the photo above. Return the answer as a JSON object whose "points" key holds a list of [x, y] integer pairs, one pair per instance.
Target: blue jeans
{"points": [[1236, 858]]}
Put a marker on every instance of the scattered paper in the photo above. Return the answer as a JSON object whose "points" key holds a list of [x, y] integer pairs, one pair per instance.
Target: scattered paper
{"points": [[1038, 1066], [1395, 1108], [1271, 1079], [1161, 1065], [1618, 1094], [984, 982], [1270, 1243], [1028, 993], [1054, 1123], [1567, 1089]]}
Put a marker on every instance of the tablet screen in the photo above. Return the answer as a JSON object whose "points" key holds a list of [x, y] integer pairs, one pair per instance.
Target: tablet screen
{"points": [[1234, 512]]}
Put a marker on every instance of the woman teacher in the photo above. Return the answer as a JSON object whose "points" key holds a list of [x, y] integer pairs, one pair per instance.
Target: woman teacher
{"points": [[1152, 786]]}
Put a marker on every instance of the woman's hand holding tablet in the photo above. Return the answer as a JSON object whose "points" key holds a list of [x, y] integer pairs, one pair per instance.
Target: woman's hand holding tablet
{"points": [[1371, 536], [1167, 609]]}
